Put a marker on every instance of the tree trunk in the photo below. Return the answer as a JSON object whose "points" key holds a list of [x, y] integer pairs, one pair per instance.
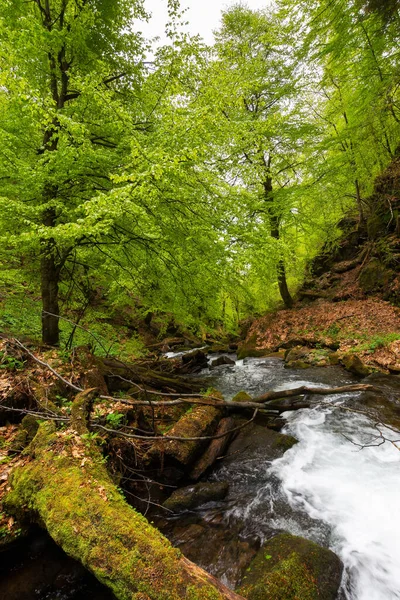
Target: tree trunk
{"points": [[280, 267], [283, 286], [50, 276], [65, 487]]}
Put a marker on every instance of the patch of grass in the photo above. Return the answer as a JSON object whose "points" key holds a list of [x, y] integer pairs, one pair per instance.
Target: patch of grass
{"points": [[377, 341]]}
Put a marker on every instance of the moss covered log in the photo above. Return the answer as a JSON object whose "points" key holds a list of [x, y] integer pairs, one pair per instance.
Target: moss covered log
{"points": [[65, 487]]}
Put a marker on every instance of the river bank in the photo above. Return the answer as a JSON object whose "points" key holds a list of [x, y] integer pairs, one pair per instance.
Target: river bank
{"points": [[273, 492]]}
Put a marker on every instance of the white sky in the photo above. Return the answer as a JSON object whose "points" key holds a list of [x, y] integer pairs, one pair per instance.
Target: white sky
{"points": [[203, 15]]}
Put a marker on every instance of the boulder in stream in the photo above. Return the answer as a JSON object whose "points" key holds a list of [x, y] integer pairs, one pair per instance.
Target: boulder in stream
{"points": [[221, 360], [288, 567], [353, 363], [195, 495]]}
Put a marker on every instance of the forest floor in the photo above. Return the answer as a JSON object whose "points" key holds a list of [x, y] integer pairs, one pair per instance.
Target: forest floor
{"points": [[367, 327]]}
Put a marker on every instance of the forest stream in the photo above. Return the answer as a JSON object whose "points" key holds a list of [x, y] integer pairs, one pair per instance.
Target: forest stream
{"points": [[325, 488]]}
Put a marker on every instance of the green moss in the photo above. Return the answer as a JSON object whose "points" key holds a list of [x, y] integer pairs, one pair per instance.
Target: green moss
{"points": [[285, 442], [290, 582], [242, 397], [66, 488], [374, 276], [292, 568]]}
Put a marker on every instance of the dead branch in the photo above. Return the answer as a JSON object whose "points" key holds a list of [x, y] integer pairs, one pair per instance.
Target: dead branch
{"points": [[301, 391]]}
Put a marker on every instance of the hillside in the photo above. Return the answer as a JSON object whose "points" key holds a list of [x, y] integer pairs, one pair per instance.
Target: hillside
{"points": [[350, 300]]}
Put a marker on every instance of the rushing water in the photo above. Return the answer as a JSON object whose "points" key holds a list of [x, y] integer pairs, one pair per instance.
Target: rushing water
{"points": [[338, 493], [325, 488]]}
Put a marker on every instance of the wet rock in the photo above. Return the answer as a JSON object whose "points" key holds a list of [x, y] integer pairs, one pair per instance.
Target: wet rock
{"points": [[218, 548], [257, 440], [193, 362], [242, 397], [284, 442], [289, 568], [302, 357], [195, 495], [385, 405], [353, 363], [276, 424], [221, 360]]}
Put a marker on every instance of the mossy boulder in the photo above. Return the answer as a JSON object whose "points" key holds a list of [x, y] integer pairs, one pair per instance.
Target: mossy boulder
{"points": [[221, 360], [249, 348], [354, 364], [26, 433], [292, 568], [301, 357], [374, 276], [242, 397], [195, 495], [257, 441], [284, 442]]}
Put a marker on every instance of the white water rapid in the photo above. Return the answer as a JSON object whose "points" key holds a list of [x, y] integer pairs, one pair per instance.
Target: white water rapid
{"points": [[339, 494], [355, 491]]}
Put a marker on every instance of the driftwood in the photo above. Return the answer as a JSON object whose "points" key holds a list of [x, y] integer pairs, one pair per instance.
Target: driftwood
{"points": [[65, 487], [121, 376], [215, 449], [358, 387]]}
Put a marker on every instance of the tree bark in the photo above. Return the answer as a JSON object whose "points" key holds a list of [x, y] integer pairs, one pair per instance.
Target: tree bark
{"points": [[275, 233], [50, 278]]}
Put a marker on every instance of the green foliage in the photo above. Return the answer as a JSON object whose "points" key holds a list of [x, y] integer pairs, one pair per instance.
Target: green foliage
{"points": [[115, 419], [10, 362], [376, 341], [185, 188]]}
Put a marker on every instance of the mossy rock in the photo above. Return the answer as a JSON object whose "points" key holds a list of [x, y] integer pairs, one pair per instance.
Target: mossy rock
{"points": [[297, 364], [249, 348], [374, 276], [284, 441], [242, 397], [26, 433], [292, 568], [302, 357], [195, 495], [354, 365], [251, 353]]}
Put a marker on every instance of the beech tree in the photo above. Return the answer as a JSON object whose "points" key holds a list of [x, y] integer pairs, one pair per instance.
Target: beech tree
{"points": [[254, 87], [98, 166], [70, 73]]}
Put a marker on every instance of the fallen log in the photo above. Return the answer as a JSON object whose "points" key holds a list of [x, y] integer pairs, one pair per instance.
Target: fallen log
{"points": [[120, 376], [301, 391], [65, 487], [215, 449]]}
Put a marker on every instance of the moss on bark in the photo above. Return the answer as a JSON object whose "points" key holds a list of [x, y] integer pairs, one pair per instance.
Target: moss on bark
{"points": [[66, 488]]}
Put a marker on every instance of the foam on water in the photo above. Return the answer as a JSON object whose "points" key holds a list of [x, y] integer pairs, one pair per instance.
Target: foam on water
{"points": [[356, 491], [333, 491]]}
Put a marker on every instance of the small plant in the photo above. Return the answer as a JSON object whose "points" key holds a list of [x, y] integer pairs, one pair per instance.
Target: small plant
{"points": [[92, 436], [10, 362], [333, 330], [114, 419]]}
